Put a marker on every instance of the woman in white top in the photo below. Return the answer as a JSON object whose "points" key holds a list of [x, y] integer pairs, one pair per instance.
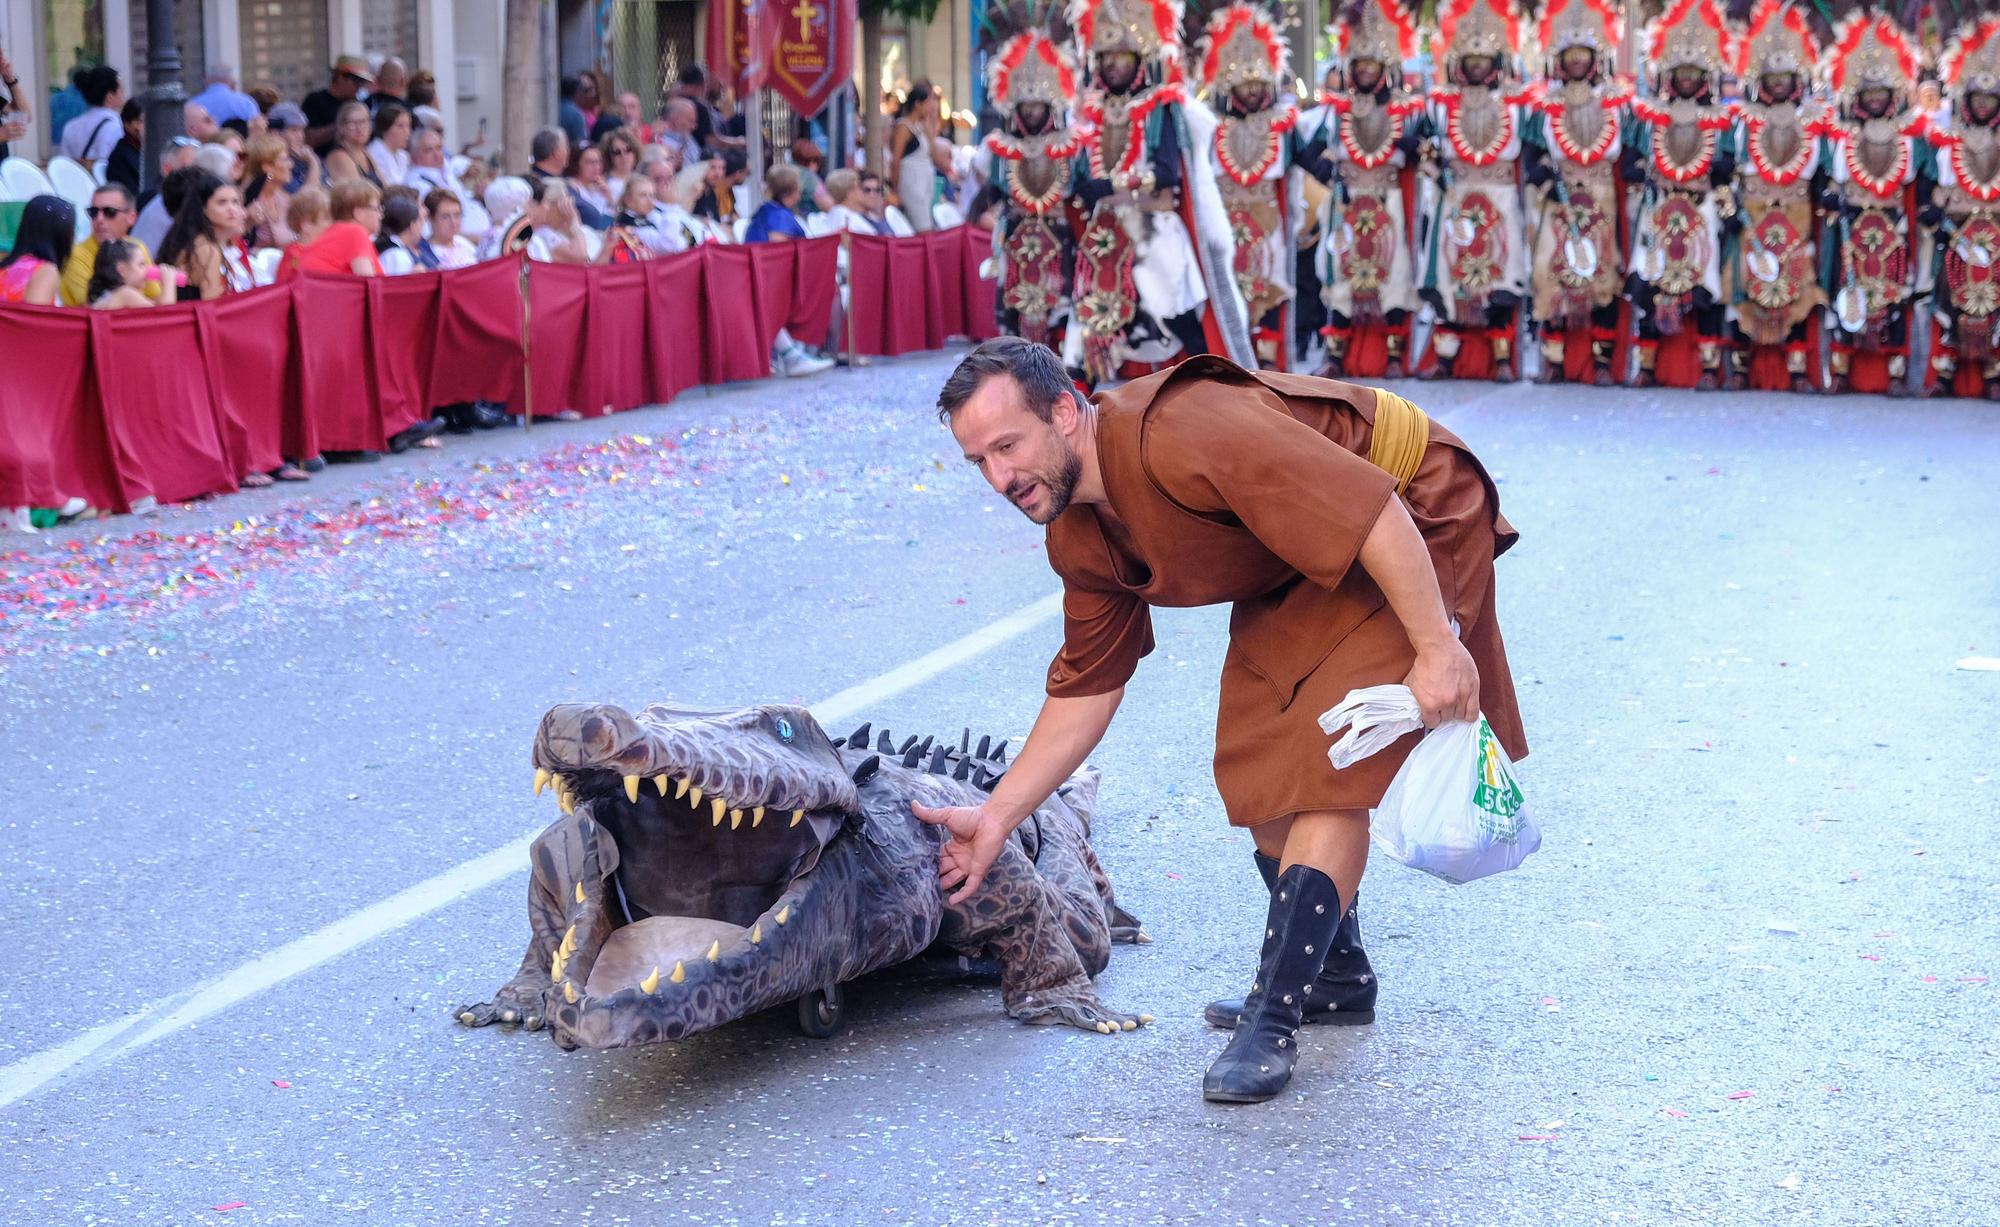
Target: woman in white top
{"points": [[402, 230], [446, 246], [586, 175], [621, 160], [674, 217], [389, 151]]}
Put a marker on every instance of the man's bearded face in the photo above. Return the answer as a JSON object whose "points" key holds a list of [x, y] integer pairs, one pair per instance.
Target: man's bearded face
{"points": [[1019, 455], [1478, 69], [1367, 75], [1577, 63], [1982, 107], [1251, 96], [1118, 70], [1689, 81], [1873, 102], [1778, 86], [1034, 117]]}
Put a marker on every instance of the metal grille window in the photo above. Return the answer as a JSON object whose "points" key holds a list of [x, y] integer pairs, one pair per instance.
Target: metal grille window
{"points": [[389, 27], [650, 40], [187, 31], [284, 45]]}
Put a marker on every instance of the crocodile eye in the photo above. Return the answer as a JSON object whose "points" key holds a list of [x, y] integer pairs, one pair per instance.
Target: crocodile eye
{"points": [[784, 729]]}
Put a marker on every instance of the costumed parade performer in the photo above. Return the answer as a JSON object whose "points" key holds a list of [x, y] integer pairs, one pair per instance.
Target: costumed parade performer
{"points": [[1364, 263], [1026, 167], [1576, 142], [1475, 252], [1154, 253], [1347, 530], [1776, 296], [1258, 167], [1965, 216], [1676, 282], [1881, 177]]}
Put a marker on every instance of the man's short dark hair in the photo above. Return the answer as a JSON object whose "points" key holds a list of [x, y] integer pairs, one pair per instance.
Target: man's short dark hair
{"points": [[123, 193], [546, 144], [97, 83], [132, 110], [693, 74], [735, 162], [566, 88], [1034, 367]]}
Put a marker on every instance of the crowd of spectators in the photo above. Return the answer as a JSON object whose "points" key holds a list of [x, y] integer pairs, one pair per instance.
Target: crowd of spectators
{"points": [[356, 178]]}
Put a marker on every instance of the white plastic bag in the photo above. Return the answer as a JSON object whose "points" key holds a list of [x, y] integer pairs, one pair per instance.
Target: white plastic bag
{"points": [[1454, 808]]}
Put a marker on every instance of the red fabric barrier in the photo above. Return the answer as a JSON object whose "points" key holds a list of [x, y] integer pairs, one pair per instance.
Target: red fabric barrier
{"points": [[245, 339], [730, 346], [402, 324], [914, 293], [560, 294], [153, 382], [478, 355], [671, 284], [614, 376], [53, 443], [336, 379]]}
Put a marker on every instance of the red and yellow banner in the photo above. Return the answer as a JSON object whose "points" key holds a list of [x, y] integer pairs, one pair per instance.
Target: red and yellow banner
{"points": [[812, 50], [739, 43]]}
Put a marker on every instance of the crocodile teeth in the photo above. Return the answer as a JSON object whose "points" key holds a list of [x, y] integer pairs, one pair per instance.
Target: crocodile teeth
{"points": [[660, 783], [632, 789], [569, 942], [569, 992], [579, 892], [718, 808], [567, 802], [784, 914], [694, 798], [715, 950], [556, 967], [680, 974], [756, 934], [796, 815], [651, 984], [735, 819], [756, 816], [542, 778], [680, 789]]}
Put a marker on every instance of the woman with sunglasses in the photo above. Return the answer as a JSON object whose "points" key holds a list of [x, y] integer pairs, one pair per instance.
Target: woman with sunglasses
{"points": [[621, 161], [348, 158]]}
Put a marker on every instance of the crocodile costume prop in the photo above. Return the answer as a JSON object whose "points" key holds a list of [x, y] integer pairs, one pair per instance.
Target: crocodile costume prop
{"points": [[714, 863]]}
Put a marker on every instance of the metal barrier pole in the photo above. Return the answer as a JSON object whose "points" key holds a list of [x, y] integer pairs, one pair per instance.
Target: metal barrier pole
{"points": [[527, 350]]}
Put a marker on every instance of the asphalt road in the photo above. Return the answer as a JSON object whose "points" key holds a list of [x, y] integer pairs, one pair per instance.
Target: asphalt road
{"points": [[1746, 980]]}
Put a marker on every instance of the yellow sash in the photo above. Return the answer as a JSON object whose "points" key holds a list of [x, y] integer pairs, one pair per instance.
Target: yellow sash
{"points": [[1402, 431]]}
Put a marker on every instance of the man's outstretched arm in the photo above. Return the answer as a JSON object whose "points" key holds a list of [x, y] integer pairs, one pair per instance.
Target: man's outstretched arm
{"points": [[1064, 735]]}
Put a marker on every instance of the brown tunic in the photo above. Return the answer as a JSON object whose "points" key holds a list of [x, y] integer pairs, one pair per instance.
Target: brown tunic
{"points": [[1252, 488]]}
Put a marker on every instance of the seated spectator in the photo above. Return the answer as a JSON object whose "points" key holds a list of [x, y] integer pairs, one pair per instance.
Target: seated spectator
{"points": [[289, 122], [335, 231], [390, 148], [813, 196], [266, 196], [680, 121], [32, 272], [775, 219], [632, 237], [96, 132], [849, 214], [348, 159], [123, 166], [402, 230], [111, 217], [218, 158], [206, 241], [621, 161], [679, 225], [507, 202], [559, 236], [157, 214], [197, 122], [445, 247], [718, 199], [634, 117], [875, 202], [586, 176], [550, 151], [120, 277], [431, 172]]}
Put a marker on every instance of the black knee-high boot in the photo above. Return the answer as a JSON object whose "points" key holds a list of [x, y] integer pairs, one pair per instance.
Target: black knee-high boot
{"points": [[1305, 909], [1344, 993]]}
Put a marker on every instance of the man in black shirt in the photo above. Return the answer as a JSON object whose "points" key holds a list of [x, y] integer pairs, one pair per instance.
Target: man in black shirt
{"points": [[322, 107], [550, 151], [123, 166]]}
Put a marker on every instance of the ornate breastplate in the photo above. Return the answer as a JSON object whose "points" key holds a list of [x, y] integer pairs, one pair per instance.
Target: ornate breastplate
{"points": [[1479, 125], [1877, 159], [1975, 164], [1248, 146]]}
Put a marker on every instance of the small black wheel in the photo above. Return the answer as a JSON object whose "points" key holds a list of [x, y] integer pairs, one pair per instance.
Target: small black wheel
{"points": [[822, 1013]]}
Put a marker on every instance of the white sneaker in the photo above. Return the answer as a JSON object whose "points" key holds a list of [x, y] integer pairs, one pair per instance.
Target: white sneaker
{"points": [[803, 362], [17, 519]]}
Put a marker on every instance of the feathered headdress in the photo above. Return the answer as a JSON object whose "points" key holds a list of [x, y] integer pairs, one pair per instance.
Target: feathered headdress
{"points": [[1691, 33], [1380, 30], [1971, 59], [1869, 51], [1596, 24], [1149, 29], [1779, 40], [1030, 67], [1476, 27], [1242, 44]]}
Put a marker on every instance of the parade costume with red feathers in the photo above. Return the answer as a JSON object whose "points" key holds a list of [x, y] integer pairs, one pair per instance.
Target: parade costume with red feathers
{"points": [[1364, 260], [1881, 174], [1027, 167], [1775, 293], [1475, 256], [1965, 215], [1576, 142]]}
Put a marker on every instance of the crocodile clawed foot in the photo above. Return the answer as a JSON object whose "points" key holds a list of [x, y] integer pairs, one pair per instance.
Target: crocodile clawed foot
{"points": [[1075, 1004], [510, 1007]]}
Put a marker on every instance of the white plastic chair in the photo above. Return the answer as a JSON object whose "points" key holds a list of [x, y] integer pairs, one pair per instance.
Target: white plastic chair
{"points": [[819, 225], [899, 222], [264, 265], [21, 179], [97, 169], [945, 215], [74, 184], [740, 227]]}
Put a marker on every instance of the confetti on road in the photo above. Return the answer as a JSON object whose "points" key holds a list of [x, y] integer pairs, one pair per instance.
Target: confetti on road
{"points": [[227, 1206], [1676, 1113], [1740, 1094]]}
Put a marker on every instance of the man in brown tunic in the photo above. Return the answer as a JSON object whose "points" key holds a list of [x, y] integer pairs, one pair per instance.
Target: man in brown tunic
{"points": [[1207, 484]]}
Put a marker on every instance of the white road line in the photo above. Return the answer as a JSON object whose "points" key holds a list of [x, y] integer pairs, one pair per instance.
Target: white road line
{"points": [[116, 1039]]}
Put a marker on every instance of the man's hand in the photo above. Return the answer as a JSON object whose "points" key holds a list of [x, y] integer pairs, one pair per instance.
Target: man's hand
{"points": [[976, 839], [1445, 683]]}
